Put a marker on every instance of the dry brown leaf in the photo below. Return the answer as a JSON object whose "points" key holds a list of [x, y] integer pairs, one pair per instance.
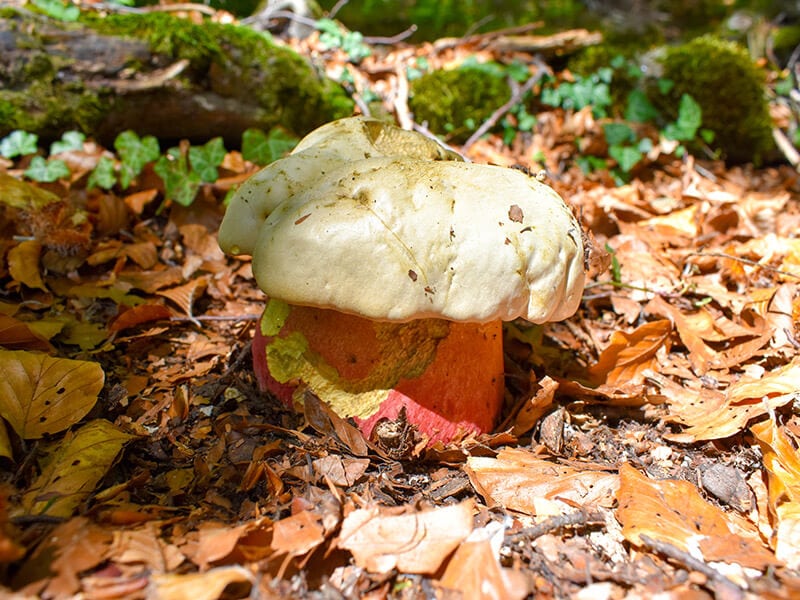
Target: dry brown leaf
{"points": [[184, 296], [71, 548], [143, 313], [782, 463], [144, 546], [411, 541], [711, 416], [218, 543], [535, 407], [40, 394], [198, 586], [692, 328], [16, 335], [519, 480], [628, 355], [298, 534], [674, 512], [475, 573], [23, 264]]}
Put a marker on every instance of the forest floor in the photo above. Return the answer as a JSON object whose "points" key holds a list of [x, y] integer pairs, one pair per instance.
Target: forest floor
{"points": [[648, 446]]}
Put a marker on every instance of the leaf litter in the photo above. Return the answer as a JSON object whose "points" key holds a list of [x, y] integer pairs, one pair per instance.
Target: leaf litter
{"points": [[649, 444]]}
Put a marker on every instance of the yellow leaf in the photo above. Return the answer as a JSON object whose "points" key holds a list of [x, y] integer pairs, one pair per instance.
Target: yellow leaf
{"points": [[23, 264], [199, 586], [782, 462], [22, 195], [40, 394], [78, 464]]}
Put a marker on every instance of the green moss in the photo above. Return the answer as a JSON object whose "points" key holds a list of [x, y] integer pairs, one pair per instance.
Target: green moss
{"points": [[457, 102], [729, 88], [241, 63]]}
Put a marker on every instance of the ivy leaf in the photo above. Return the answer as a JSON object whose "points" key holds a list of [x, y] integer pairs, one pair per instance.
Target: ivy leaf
{"points": [[71, 140], [626, 157], [618, 133], [18, 143], [180, 184], [58, 10], [134, 154], [103, 175], [47, 170], [690, 117], [639, 109], [263, 149], [205, 159]]}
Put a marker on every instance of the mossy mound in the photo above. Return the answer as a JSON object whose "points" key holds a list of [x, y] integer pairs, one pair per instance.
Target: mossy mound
{"points": [[455, 103], [235, 79], [729, 88]]}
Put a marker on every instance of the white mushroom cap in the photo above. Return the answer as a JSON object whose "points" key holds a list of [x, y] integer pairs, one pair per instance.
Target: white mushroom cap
{"points": [[324, 149], [398, 238]]}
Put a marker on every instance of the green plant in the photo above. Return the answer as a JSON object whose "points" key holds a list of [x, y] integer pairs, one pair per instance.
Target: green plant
{"points": [[134, 153], [590, 90], [334, 35], [263, 149], [47, 170], [18, 143], [63, 11]]}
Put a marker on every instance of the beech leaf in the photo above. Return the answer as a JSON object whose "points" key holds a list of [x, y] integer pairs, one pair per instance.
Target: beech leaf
{"points": [[40, 394], [76, 467]]}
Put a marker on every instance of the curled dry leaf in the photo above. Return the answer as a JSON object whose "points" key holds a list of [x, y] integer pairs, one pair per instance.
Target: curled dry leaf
{"points": [[711, 416], [519, 480], [16, 335], [77, 465], [782, 463], [382, 539], [40, 394], [675, 512], [475, 572], [198, 586], [628, 355], [23, 264]]}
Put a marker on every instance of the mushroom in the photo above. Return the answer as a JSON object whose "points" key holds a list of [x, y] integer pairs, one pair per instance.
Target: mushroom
{"points": [[389, 275]]}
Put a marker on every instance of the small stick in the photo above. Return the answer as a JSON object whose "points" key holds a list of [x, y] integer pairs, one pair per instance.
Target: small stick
{"points": [[695, 564], [516, 97], [554, 523]]}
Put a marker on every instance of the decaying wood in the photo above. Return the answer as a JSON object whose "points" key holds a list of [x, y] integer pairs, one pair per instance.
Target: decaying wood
{"points": [[558, 44]]}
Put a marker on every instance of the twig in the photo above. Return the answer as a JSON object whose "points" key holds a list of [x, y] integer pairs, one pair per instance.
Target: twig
{"points": [[215, 318], [557, 522], [398, 37], [516, 97], [786, 147], [184, 6], [747, 261], [336, 8], [695, 564]]}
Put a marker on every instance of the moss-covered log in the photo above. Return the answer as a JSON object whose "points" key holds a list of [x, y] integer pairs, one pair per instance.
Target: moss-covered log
{"points": [[156, 74]]}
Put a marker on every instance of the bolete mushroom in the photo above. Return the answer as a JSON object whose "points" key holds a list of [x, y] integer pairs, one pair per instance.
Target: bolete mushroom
{"points": [[389, 271]]}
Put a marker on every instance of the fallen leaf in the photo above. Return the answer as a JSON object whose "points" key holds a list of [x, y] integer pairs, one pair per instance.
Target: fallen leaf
{"points": [[675, 512], [475, 572], [711, 416], [16, 335], [77, 465], [629, 354], [40, 394], [69, 549], [198, 586], [518, 480], [412, 541], [23, 264], [298, 534], [535, 407], [144, 313]]}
